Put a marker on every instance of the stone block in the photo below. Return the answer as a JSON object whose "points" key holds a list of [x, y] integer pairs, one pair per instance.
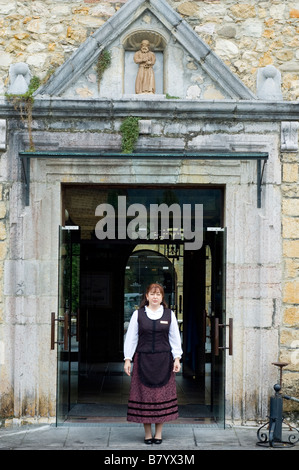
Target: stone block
{"points": [[226, 49], [253, 28], [294, 13], [277, 12], [2, 231], [290, 172], [243, 11], [288, 336], [290, 207], [290, 227], [291, 316], [291, 248], [291, 268], [145, 126], [188, 8], [3, 250], [291, 292]]}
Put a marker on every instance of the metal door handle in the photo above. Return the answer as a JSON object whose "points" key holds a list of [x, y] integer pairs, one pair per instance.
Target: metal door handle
{"points": [[204, 326], [230, 336], [77, 330], [65, 319], [65, 331], [52, 330], [78, 325]]}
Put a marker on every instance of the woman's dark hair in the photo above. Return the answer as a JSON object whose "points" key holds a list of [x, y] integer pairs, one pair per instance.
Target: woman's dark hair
{"points": [[154, 286]]}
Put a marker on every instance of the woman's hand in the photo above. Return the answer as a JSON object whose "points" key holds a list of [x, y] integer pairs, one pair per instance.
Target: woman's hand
{"points": [[176, 365], [127, 367]]}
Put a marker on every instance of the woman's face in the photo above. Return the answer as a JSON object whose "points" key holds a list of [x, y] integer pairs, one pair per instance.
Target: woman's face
{"points": [[154, 297]]}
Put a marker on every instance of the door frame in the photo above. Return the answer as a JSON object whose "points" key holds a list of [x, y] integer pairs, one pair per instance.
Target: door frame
{"points": [[61, 353]]}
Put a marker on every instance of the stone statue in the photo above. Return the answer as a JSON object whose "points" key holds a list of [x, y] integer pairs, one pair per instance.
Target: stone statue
{"points": [[145, 80]]}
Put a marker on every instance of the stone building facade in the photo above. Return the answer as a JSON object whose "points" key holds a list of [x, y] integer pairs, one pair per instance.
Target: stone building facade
{"points": [[224, 116]]}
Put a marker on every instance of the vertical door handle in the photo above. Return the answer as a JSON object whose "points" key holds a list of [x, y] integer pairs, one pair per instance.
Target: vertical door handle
{"points": [[78, 325], [65, 333], [230, 336], [218, 325], [216, 336], [52, 330], [77, 330], [204, 326]]}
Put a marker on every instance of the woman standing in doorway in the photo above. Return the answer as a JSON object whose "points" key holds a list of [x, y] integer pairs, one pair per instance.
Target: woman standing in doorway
{"points": [[153, 339]]}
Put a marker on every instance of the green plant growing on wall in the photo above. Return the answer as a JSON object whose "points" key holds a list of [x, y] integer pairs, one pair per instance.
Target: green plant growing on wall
{"points": [[24, 104], [130, 132], [170, 97], [103, 63]]}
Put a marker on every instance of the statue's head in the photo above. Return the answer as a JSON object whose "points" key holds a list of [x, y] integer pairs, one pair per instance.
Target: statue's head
{"points": [[145, 45]]}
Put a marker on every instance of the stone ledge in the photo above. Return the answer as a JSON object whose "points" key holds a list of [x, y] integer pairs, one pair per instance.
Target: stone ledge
{"points": [[173, 108]]}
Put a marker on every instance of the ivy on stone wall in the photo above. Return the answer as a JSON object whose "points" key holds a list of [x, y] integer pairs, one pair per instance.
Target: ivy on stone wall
{"points": [[103, 63], [130, 132], [24, 104]]}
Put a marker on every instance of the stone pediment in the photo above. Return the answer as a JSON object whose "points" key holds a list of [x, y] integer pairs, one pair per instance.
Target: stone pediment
{"points": [[185, 66]]}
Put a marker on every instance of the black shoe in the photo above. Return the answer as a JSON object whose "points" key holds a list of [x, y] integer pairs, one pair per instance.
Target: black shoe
{"points": [[148, 441], [157, 441]]}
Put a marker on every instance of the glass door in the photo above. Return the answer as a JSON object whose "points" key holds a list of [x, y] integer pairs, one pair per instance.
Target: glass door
{"points": [[217, 242], [68, 321]]}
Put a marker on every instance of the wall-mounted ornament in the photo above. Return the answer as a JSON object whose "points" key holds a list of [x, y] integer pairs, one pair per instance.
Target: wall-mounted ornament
{"points": [[20, 77], [268, 83]]}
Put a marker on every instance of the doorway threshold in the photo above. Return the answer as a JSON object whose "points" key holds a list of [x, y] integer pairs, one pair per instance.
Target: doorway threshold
{"points": [[94, 413], [122, 422]]}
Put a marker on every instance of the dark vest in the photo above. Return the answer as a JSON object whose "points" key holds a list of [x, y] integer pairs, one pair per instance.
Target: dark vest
{"points": [[155, 361], [153, 334]]}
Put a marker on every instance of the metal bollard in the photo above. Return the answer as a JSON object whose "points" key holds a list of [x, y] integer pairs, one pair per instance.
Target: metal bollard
{"points": [[275, 423]]}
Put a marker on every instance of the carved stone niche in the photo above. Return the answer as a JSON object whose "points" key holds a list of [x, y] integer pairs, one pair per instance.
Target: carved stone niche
{"points": [[131, 44]]}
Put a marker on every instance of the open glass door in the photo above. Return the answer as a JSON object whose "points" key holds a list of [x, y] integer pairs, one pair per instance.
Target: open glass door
{"points": [[217, 241], [68, 321]]}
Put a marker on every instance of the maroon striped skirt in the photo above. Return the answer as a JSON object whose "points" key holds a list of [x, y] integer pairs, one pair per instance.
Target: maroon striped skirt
{"points": [[151, 405]]}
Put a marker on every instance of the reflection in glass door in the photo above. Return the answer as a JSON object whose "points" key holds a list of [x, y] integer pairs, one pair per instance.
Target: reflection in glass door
{"points": [[144, 267]]}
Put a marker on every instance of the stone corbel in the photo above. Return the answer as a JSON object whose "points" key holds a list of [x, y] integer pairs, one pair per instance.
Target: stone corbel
{"points": [[289, 136]]}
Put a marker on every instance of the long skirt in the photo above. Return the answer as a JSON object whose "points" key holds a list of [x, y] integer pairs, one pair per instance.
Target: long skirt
{"points": [[151, 405]]}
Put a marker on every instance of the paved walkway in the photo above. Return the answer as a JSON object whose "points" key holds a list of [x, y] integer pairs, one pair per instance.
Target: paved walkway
{"points": [[115, 439]]}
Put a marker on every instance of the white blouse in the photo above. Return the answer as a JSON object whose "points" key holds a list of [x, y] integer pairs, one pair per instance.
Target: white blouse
{"points": [[131, 338]]}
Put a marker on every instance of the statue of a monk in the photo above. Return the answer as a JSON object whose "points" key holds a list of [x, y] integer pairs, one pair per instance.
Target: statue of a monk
{"points": [[145, 80]]}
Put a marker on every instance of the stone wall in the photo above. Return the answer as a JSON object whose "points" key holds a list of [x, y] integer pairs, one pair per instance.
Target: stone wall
{"points": [[245, 34], [289, 338]]}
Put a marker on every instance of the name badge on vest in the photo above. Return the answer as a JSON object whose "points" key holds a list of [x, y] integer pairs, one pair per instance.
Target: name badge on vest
{"points": [[164, 322]]}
